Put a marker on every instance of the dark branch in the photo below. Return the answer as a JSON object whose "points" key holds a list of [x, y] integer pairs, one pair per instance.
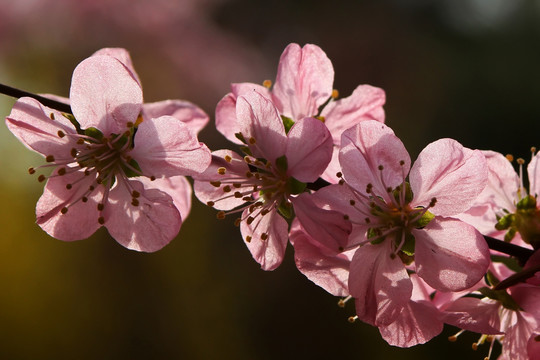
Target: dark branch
{"points": [[16, 93], [520, 253]]}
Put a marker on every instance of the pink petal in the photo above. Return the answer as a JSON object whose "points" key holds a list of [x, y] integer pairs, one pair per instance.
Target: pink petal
{"points": [[206, 192], [268, 253], [31, 123], [226, 121], [121, 55], [450, 255], [325, 268], [379, 283], [417, 324], [105, 95], [81, 219], [258, 118], [330, 173], [449, 172], [147, 227], [178, 187], [533, 346], [327, 227], [309, 149], [166, 146], [303, 82], [367, 146], [474, 314], [365, 103], [190, 114], [533, 170], [516, 338], [527, 297]]}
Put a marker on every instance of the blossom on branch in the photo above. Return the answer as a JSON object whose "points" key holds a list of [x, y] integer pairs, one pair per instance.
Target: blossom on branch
{"points": [[115, 163]]}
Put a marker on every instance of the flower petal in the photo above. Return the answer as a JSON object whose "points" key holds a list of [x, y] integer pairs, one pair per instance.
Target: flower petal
{"points": [[533, 170], [309, 149], [269, 252], [190, 114], [379, 283], [325, 268], [226, 121], [166, 146], [303, 82], [105, 95], [449, 172], [367, 146], [178, 187], [121, 55], [33, 125], [365, 103], [258, 119], [478, 315], [450, 255], [147, 227], [81, 219]]}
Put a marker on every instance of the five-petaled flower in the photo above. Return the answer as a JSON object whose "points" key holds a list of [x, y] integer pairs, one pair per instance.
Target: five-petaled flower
{"points": [[116, 164]]}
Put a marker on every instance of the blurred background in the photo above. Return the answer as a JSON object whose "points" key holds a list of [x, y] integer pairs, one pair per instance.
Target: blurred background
{"points": [[467, 69]]}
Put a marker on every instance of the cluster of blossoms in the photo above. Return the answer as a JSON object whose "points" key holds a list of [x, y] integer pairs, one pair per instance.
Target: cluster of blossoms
{"points": [[406, 241]]}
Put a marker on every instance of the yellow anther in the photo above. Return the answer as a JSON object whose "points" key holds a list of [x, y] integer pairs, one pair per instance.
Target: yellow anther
{"points": [[252, 140], [228, 158], [335, 94], [510, 157], [51, 115], [220, 215], [267, 84], [221, 171], [520, 161]]}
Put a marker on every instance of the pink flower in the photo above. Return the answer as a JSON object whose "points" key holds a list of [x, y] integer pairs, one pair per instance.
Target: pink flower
{"points": [[396, 222], [505, 209], [109, 159], [263, 184], [304, 84]]}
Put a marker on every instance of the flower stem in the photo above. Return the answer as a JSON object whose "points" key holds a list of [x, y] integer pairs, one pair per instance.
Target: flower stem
{"points": [[16, 93], [520, 253]]}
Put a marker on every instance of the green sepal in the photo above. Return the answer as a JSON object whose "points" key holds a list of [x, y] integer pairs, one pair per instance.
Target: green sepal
{"points": [[500, 296], [287, 122], [295, 187], [424, 220], [240, 137], [409, 244], [286, 210], [505, 222], [492, 279], [129, 172], [94, 133], [510, 262], [282, 164], [74, 122]]}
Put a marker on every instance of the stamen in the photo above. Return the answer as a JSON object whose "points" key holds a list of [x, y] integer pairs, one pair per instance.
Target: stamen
{"points": [[509, 157], [341, 303], [61, 134], [49, 158], [267, 84], [221, 171], [454, 337], [335, 94], [352, 319], [228, 158], [248, 238], [51, 115]]}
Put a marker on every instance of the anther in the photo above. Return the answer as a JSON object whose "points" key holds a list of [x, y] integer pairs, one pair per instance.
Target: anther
{"points": [[237, 222], [345, 217], [267, 83], [152, 178], [80, 141], [247, 159], [252, 140], [248, 239], [520, 161], [509, 157], [237, 185], [335, 94], [135, 202], [341, 303], [64, 210], [31, 171], [84, 199], [380, 167], [237, 194], [352, 319], [227, 188], [100, 206], [432, 202], [41, 178], [68, 186], [51, 115], [341, 182], [210, 203], [49, 158], [101, 220], [352, 202], [339, 174], [264, 236], [221, 171], [62, 171], [61, 133], [533, 150], [135, 194], [264, 212], [215, 183], [402, 162], [220, 215], [129, 124], [250, 220], [228, 158], [73, 152]]}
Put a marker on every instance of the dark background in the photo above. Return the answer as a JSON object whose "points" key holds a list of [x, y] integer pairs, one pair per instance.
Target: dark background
{"points": [[467, 69]]}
